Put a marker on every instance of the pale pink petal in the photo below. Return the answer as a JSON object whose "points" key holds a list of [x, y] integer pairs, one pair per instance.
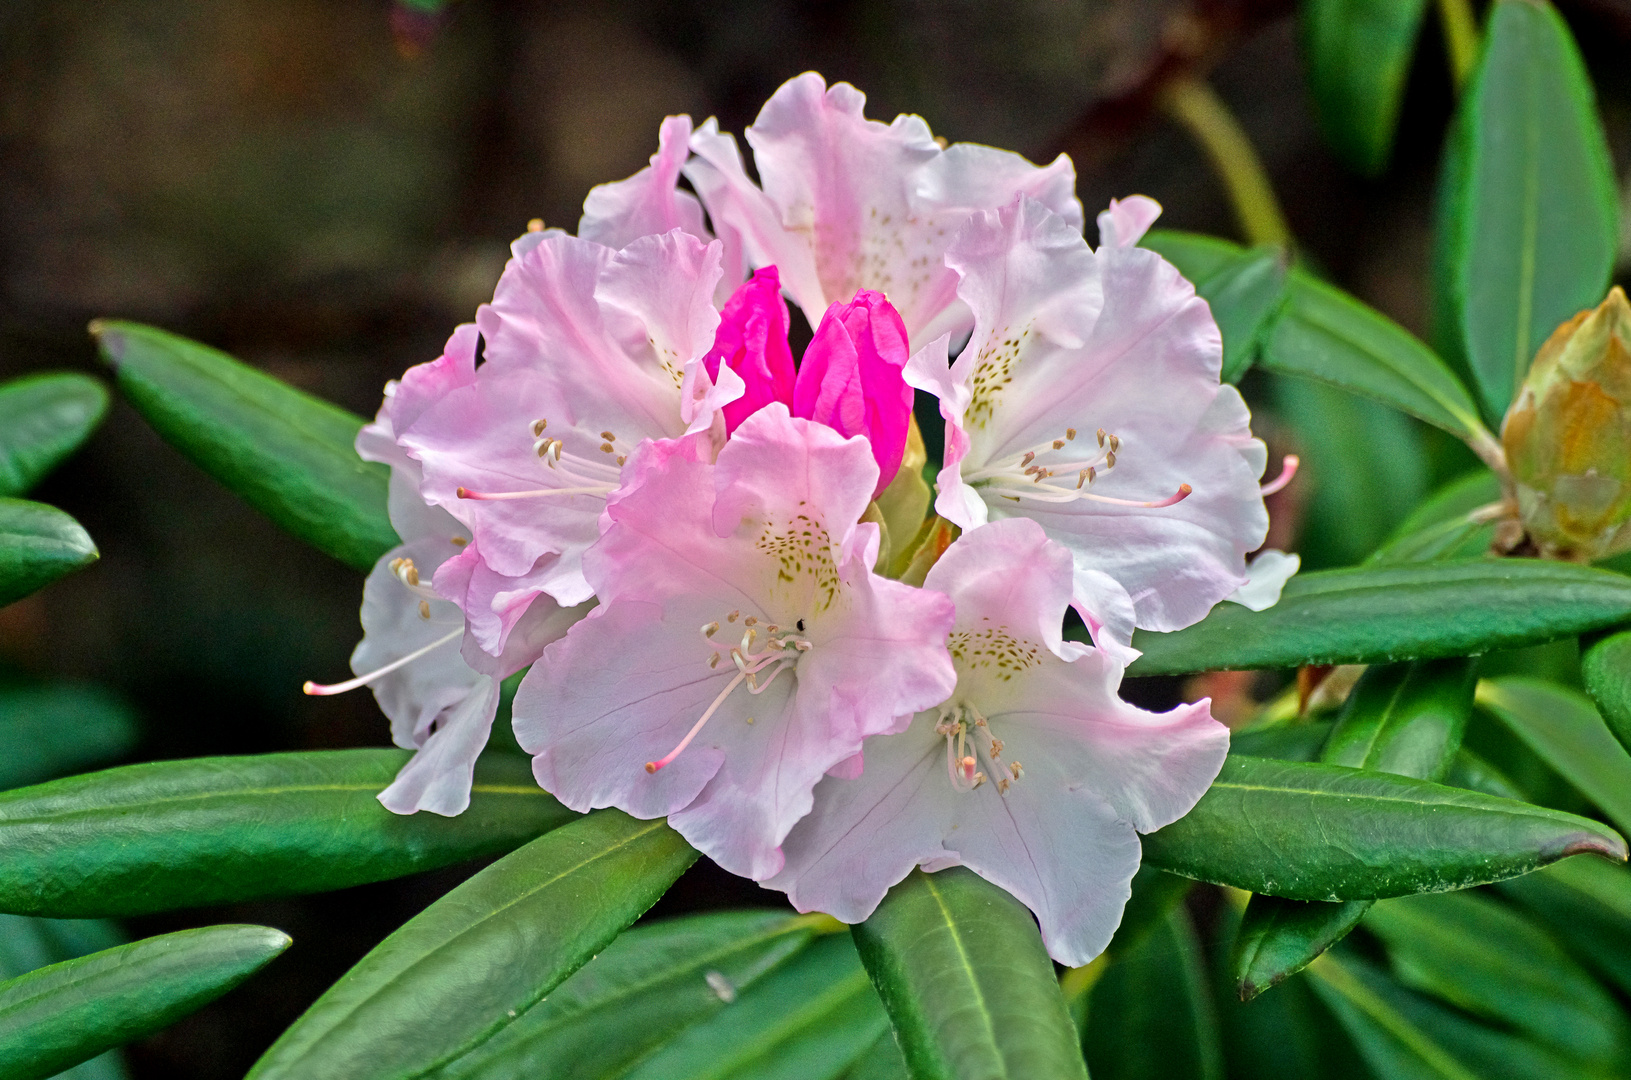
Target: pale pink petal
{"points": [[752, 341], [582, 343], [931, 371], [1107, 610], [508, 620], [744, 219], [850, 203], [648, 202], [1267, 575], [1127, 220], [1069, 342], [850, 378], [1077, 775], [438, 776], [696, 550]]}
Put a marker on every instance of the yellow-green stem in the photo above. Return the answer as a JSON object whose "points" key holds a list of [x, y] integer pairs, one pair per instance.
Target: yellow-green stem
{"points": [[1460, 38], [1207, 119]]}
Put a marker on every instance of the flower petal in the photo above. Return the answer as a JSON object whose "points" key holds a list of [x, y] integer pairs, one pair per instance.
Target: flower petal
{"points": [[1267, 575], [1127, 220], [438, 776], [752, 341], [648, 202]]}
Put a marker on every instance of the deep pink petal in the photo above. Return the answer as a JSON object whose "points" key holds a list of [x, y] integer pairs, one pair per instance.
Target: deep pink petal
{"points": [[752, 341], [851, 378]]}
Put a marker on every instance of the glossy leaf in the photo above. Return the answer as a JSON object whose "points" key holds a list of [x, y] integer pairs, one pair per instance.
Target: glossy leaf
{"points": [[27, 944], [651, 984], [1528, 217], [60, 1015], [48, 729], [1393, 1047], [38, 545], [811, 1019], [43, 419], [1586, 904], [1405, 719], [288, 454], [1324, 832], [461, 970], [962, 970], [1352, 496], [1485, 958], [1154, 894], [1151, 1016], [1606, 668], [1245, 287], [1561, 726], [171, 834], [1296, 741], [1439, 527], [882, 1062], [1375, 614], [1486, 1050], [1358, 54], [1327, 335]]}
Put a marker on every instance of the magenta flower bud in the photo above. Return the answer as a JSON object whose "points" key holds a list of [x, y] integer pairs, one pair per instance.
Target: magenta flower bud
{"points": [[850, 378], [752, 341]]}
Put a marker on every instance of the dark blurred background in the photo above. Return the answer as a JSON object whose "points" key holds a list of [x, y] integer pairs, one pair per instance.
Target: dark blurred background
{"points": [[325, 188]]}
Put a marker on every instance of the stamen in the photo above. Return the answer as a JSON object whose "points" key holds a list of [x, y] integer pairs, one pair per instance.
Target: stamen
{"points": [[459, 541], [1070, 433], [320, 690], [608, 436], [424, 609], [653, 766], [538, 427], [539, 493], [1288, 469], [710, 630]]}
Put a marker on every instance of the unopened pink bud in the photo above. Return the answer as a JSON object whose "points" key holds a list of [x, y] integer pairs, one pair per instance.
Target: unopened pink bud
{"points": [[752, 341]]}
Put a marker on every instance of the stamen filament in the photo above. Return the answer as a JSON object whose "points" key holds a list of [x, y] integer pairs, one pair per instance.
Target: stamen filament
{"points": [[653, 766], [590, 489], [320, 690], [1055, 495], [1288, 469]]}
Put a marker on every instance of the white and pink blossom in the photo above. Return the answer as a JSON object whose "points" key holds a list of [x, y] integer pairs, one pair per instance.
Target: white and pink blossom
{"points": [[742, 647], [1033, 774]]}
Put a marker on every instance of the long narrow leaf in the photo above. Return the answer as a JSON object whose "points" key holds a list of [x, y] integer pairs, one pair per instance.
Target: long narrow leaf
{"points": [[43, 419], [970, 989], [174, 834], [286, 453], [1562, 727], [38, 545], [468, 965], [66, 1013]]}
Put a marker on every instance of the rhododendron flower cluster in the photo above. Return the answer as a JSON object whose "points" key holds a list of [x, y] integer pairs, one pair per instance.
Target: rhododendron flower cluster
{"points": [[621, 477]]}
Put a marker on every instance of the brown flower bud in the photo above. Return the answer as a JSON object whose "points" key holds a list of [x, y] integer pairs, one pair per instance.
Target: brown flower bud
{"points": [[1567, 437]]}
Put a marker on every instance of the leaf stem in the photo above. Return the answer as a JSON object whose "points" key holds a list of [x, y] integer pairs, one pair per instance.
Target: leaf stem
{"points": [[1460, 38], [1203, 114]]}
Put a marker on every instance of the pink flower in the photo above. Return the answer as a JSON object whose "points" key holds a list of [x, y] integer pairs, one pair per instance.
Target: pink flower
{"points": [[1088, 400], [588, 352], [1034, 774], [742, 646], [438, 690], [849, 204]]}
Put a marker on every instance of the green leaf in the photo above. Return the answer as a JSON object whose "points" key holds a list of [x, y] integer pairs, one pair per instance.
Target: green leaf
{"points": [[647, 987], [967, 982], [1393, 1047], [1358, 54], [1438, 528], [38, 545], [882, 1062], [288, 454], [43, 419], [1326, 335], [1245, 287], [1354, 496], [1405, 719], [170, 834], [1528, 218], [1151, 1015], [1490, 961], [1324, 832], [1485, 1050], [27, 944], [66, 1013], [1605, 667], [1563, 729], [1586, 904], [1411, 611], [49, 729], [458, 972], [1154, 895], [809, 1020], [1300, 740]]}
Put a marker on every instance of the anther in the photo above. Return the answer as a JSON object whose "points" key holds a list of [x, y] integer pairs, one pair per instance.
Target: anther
{"points": [[751, 620], [710, 630], [458, 541], [1110, 460], [1017, 769], [733, 616], [1002, 785], [621, 458], [1101, 436], [424, 609], [607, 448], [1115, 443], [713, 661], [996, 748], [979, 778], [538, 427], [608, 436], [1081, 477], [1030, 456], [1058, 444], [1070, 433]]}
